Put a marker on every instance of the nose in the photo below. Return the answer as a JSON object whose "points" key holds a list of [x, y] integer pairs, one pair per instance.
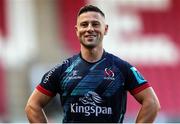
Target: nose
{"points": [[90, 28]]}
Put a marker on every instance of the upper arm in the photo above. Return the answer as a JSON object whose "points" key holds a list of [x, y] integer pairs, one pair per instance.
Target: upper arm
{"points": [[147, 95], [38, 99], [35, 105], [149, 105], [46, 90]]}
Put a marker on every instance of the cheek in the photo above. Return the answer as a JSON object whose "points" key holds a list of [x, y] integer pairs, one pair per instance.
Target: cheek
{"points": [[80, 32], [101, 33]]}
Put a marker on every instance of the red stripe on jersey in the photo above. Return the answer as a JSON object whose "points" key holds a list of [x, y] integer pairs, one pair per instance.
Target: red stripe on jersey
{"points": [[44, 91], [140, 88]]}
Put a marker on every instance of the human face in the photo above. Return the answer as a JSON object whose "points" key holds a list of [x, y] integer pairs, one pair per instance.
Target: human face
{"points": [[90, 29]]}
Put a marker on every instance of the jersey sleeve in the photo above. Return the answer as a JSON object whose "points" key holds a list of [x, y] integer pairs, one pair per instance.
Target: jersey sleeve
{"points": [[49, 82], [134, 81]]}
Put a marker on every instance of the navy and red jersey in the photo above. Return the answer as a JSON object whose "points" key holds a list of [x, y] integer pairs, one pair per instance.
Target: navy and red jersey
{"points": [[93, 92]]}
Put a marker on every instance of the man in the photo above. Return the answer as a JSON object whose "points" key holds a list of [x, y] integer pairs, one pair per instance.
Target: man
{"points": [[93, 85]]}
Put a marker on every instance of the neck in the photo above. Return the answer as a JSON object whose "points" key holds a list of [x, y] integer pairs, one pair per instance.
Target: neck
{"points": [[91, 55]]}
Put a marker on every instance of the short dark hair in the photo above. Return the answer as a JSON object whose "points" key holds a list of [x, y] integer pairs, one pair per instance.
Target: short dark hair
{"points": [[89, 8]]}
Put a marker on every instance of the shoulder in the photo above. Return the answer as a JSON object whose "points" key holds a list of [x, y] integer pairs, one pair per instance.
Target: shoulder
{"points": [[121, 63], [62, 65], [67, 62], [58, 69]]}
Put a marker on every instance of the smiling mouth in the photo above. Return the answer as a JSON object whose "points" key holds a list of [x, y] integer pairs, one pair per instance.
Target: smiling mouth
{"points": [[90, 36]]}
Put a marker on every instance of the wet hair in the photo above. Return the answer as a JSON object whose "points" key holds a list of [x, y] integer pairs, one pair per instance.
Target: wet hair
{"points": [[90, 8]]}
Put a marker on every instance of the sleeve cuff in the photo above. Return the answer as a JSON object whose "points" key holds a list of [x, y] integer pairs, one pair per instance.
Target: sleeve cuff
{"points": [[140, 88], [44, 91]]}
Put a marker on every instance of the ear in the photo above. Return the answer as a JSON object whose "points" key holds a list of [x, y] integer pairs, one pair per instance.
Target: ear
{"points": [[76, 29], [106, 29]]}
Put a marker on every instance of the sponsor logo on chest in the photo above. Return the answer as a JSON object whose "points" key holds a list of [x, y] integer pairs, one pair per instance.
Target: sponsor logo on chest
{"points": [[91, 105]]}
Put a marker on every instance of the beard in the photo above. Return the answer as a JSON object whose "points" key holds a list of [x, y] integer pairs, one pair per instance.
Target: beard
{"points": [[89, 45]]}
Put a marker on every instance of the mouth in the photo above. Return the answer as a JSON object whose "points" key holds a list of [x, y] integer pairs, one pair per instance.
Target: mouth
{"points": [[90, 36]]}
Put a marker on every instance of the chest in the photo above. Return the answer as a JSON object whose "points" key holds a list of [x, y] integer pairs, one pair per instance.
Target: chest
{"points": [[104, 80]]}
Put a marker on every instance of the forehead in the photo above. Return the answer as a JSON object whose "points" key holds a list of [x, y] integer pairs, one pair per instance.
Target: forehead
{"points": [[90, 16]]}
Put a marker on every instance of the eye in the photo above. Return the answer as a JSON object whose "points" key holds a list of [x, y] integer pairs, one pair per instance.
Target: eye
{"points": [[84, 24], [95, 24]]}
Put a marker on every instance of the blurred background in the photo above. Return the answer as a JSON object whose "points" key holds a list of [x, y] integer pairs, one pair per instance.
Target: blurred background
{"points": [[37, 34]]}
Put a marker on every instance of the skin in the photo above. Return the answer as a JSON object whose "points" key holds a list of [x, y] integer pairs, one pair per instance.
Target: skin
{"points": [[90, 30], [34, 107], [150, 106]]}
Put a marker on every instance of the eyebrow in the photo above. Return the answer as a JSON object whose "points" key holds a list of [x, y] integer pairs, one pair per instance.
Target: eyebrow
{"points": [[90, 21]]}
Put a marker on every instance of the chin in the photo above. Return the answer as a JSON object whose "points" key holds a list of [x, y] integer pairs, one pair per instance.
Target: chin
{"points": [[89, 46]]}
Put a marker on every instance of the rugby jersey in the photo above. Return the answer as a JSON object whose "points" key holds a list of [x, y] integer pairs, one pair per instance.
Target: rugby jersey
{"points": [[93, 92]]}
